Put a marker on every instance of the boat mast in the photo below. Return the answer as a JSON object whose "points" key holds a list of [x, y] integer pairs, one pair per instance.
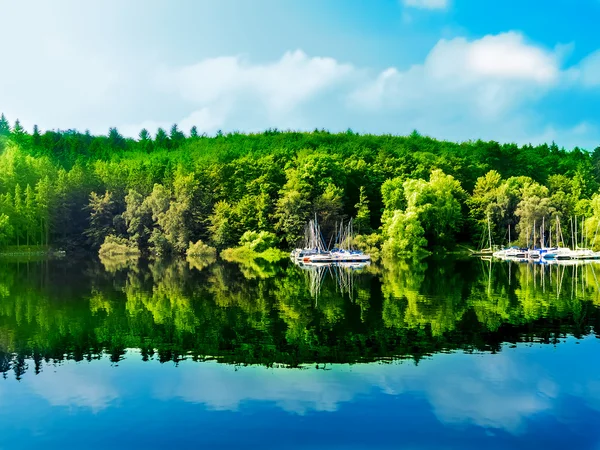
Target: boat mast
{"points": [[489, 232], [543, 233]]}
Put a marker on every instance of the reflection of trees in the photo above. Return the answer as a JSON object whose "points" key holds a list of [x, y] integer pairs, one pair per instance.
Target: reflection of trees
{"points": [[201, 262], [114, 263], [417, 295], [251, 267], [171, 310]]}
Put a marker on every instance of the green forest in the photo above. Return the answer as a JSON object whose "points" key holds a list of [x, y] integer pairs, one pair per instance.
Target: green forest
{"points": [[156, 194]]}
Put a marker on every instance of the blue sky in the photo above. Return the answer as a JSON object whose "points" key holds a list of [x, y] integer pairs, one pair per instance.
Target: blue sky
{"points": [[518, 71]]}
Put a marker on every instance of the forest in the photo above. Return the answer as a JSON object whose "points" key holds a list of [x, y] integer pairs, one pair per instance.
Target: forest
{"points": [[156, 194]]}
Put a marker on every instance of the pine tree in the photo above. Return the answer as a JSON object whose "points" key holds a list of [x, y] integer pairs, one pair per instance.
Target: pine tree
{"points": [[144, 135], [29, 214], [177, 136], [43, 198], [18, 128], [18, 209], [115, 139], [362, 222], [36, 138], [161, 140], [4, 126]]}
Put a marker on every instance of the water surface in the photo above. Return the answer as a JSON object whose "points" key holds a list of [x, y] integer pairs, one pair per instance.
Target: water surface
{"points": [[437, 354]]}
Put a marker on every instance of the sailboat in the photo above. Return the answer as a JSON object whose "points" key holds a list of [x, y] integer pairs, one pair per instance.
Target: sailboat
{"points": [[344, 251], [313, 241], [316, 252], [513, 252], [489, 251], [558, 253]]}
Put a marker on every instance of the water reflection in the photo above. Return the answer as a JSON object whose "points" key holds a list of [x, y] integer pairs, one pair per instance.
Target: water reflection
{"points": [[288, 315], [522, 397], [457, 352]]}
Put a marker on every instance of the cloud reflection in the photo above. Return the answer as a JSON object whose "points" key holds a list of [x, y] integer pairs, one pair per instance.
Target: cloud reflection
{"points": [[500, 391]]}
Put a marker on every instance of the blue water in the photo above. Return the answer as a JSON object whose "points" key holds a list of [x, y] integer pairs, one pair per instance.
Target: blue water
{"points": [[525, 396]]}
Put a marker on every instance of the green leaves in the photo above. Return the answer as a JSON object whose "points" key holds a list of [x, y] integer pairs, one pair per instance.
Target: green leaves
{"points": [[431, 218]]}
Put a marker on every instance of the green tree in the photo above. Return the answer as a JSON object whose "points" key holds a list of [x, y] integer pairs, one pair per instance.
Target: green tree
{"points": [[30, 214], [18, 220], [5, 229], [220, 227], [534, 207], [362, 221], [44, 199], [177, 136], [102, 214], [292, 213], [138, 219], [4, 126], [162, 139]]}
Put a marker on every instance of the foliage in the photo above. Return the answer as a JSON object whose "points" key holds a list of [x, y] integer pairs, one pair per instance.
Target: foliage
{"points": [[70, 190], [117, 246], [259, 241], [201, 249]]}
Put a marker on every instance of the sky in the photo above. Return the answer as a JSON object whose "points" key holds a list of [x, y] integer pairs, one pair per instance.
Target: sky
{"points": [[510, 70]]}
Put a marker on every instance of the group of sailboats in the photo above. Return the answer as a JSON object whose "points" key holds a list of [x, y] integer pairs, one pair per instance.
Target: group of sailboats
{"points": [[316, 251], [541, 247]]}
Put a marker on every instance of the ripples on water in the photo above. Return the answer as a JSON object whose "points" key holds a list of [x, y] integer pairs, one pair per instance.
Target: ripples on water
{"points": [[435, 354]]}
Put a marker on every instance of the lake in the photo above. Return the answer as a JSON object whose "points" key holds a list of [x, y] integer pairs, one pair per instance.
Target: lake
{"points": [[435, 354]]}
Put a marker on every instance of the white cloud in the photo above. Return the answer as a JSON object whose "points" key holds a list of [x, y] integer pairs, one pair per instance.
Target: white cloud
{"points": [[461, 84], [426, 4], [487, 76], [587, 72], [73, 385], [501, 391], [487, 88], [220, 87]]}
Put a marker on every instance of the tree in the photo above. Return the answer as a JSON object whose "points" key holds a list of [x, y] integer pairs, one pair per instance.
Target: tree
{"points": [[4, 126], [18, 220], [433, 206], [138, 219], [36, 138], [292, 213], [144, 135], [329, 207], [30, 214], [495, 200], [45, 203], [194, 132], [115, 139], [362, 221], [161, 140], [158, 202], [403, 234], [6, 229], [220, 225], [102, 213], [177, 137], [18, 133], [531, 210]]}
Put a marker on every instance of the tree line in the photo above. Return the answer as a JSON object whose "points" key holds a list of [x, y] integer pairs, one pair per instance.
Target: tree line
{"points": [[73, 190]]}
